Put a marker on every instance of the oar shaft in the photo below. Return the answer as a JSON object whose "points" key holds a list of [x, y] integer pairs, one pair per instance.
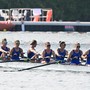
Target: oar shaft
{"points": [[37, 66]]}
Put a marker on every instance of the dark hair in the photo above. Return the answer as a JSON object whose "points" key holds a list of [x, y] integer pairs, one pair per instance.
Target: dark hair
{"points": [[62, 42], [3, 40], [77, 45], [33, 42], [47, 43], [17, 42]]}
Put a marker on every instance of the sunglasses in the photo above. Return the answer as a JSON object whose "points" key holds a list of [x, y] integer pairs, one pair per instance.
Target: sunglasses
{"points": [[78, 46], [17, 43], [5, 42], [62, 44], [48, 45]]}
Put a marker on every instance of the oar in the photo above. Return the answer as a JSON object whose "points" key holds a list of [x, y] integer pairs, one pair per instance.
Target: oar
{"points": [[37, 66], [43, 65]]}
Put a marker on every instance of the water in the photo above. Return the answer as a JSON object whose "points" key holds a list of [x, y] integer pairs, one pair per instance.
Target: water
{"points": [[41, 79]]}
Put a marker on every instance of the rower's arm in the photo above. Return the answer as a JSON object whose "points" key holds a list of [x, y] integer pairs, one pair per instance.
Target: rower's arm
{"points": [[69, 56], [11, 51], [84, 56], [22, 54], [54, 56], [57, 53], [3, 50], [43, 54]]}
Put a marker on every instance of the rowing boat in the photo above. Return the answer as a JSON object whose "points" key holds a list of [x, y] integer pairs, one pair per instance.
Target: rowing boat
{"points": [[21, 66]]}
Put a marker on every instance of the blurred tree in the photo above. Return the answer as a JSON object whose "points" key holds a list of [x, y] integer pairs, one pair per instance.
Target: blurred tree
{"points": [[63, 9]]}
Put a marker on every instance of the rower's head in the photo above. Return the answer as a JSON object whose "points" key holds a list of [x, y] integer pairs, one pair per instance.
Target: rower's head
{"points": [[33, 43], [62, 44], [4, 42], [47, 45], [77, 46], [17, 43]]}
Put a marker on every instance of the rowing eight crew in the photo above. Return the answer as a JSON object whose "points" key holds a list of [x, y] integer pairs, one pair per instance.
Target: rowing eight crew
{"points": [[75, 56]]}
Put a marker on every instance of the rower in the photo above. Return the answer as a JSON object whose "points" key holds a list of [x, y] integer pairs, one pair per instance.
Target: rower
{"points": [[16, 52], [32, 54], [47, 53], [61, 52], [75, 55], [4, 51], [86, 56]]}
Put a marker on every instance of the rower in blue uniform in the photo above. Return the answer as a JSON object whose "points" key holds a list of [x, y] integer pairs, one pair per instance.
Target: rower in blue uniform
{"points": [[16, 52], [87, 57], [75, 55], [32, 54], [47, 53], [4, 51], [61, 52]]}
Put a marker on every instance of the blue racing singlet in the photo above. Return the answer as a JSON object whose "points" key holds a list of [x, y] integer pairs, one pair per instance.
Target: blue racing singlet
{"points": [[76, 54], [88, 58], [62, 55], [30, 54], [48, 54], [6, 49], [16, 54]]}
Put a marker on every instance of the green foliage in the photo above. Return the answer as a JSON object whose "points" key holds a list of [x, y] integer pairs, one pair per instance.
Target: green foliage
{"points": [[70, 10]]}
